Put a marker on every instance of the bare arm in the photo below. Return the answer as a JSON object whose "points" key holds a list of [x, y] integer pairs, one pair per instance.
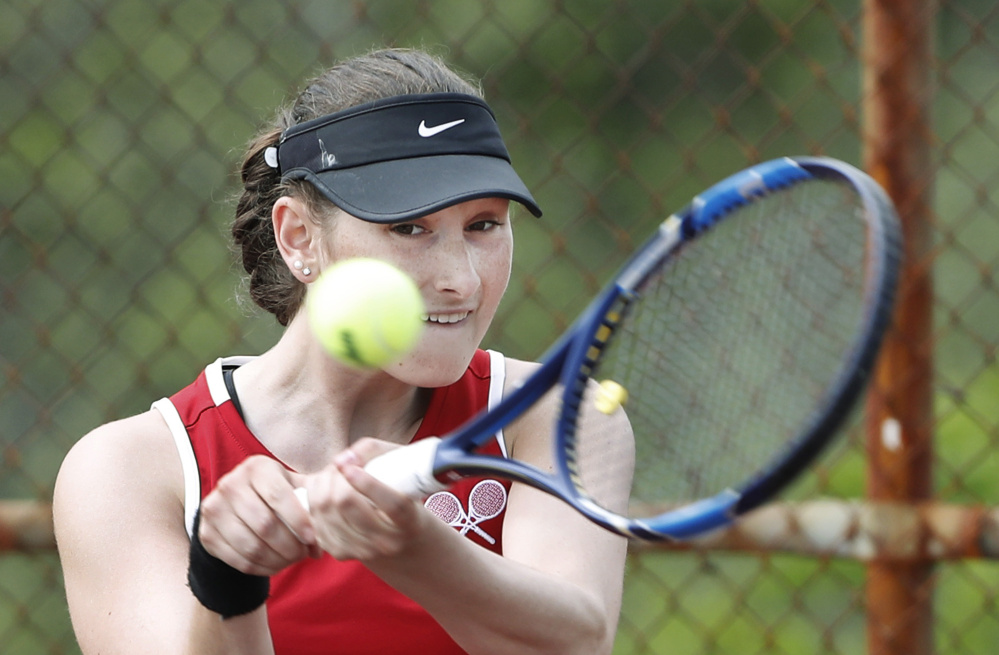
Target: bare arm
{"points": [[119, 523], [556, 589]]}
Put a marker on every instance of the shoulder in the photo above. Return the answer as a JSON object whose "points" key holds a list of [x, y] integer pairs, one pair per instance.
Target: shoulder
{"points": [[139, 439], [518, 370], [534, 426], [533, 431], [123, 548], [131, 463]]}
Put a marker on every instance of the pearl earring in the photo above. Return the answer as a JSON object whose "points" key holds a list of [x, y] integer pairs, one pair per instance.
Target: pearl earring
{"points": [[300, 266]]}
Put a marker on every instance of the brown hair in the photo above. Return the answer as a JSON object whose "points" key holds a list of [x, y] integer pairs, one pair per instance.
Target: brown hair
{"points": [[379, 74]]}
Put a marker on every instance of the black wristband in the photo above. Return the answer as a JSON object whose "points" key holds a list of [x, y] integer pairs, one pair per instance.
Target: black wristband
{"points": [[220, 587]]}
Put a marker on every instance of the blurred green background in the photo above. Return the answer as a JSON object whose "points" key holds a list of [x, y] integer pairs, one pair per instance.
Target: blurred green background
{"points": [[121, 122]]}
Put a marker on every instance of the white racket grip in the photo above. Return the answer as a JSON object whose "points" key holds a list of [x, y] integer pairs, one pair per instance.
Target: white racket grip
{"points": [[409, 469], [303, 497]]}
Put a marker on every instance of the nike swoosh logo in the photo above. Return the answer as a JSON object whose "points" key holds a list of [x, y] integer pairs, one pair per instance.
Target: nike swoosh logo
{"points": [[437, 129]]}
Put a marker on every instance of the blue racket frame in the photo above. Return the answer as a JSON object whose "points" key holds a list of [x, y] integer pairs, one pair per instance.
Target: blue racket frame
{"points": [[570, 361]]}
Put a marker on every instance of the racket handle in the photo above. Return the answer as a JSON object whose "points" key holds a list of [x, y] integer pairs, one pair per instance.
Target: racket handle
{"points": [[303, 497], [409, 469]]}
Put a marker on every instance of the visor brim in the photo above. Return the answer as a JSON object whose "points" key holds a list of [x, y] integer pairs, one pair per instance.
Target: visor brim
{"points": [[404, 189]]}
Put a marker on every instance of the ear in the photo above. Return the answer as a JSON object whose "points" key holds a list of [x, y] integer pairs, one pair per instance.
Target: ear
{"points": [[297, 237]]}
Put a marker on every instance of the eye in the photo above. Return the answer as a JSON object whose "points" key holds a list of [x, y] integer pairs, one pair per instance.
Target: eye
{"points": [[484, 224], [407, 229]]}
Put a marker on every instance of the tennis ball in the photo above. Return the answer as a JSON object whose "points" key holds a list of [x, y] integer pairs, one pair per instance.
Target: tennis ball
{"points": [[610, 396], [365, 312]]}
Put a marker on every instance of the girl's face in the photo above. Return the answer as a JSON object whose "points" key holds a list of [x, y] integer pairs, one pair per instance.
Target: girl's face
{"points": [[460, 257]]}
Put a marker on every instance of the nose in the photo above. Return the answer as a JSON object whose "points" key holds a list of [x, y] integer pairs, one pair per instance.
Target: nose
{"points": [[455, 270]]}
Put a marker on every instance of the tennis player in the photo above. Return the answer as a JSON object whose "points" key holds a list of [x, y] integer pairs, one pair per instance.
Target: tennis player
{"points": [[179, 529]]}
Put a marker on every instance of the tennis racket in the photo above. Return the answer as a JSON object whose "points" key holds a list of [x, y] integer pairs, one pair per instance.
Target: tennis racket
{"points": [[735, 342]]}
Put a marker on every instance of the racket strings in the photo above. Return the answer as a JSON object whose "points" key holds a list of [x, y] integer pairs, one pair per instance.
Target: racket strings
{"points": [[735, 341]]}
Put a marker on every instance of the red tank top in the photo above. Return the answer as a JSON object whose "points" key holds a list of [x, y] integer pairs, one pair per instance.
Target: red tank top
{"points": [[325, 606]]}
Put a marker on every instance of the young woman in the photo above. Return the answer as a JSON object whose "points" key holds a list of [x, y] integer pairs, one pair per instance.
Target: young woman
{"points": [[171, 519]]}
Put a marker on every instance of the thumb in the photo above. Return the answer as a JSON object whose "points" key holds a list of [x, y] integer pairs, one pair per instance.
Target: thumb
{"points": [[363, 451]]}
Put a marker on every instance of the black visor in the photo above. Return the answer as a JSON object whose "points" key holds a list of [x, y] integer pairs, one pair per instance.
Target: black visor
{"points": [[403, 157]]}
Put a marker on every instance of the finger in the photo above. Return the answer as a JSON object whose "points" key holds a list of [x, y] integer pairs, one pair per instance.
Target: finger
{"points": [[290, 503], [283, 524], [224, 535], [392, 507], [342, 507], [348, 524], [247, 521], [363, 451]]}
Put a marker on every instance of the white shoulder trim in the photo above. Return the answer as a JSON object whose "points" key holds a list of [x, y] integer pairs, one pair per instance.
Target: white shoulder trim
{"points": [[216, 385], [188, 462], [213, 374], [497, 380]]}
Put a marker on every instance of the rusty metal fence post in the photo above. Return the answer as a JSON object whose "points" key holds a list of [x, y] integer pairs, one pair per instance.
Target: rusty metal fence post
{"points": [[897, 94]]}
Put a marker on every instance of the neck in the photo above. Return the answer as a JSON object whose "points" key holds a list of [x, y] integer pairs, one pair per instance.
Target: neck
{"points": [[305, 407]]}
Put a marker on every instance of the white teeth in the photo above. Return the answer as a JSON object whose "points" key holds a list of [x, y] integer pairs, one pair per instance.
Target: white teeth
{"points": [[445, 318]]}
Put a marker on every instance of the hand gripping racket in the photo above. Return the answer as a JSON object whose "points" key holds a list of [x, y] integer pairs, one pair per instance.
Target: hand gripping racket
{"points": [[735, 341]]}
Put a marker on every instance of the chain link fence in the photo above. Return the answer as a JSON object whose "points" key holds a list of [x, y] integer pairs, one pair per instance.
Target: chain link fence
{"points": [[120, 125]]}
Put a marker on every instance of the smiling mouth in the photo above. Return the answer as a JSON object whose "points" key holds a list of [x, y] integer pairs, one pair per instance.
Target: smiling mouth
{"points": [[446, 319]]}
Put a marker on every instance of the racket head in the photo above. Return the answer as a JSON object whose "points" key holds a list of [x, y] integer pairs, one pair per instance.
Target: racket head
{"points": [[742, 333]]}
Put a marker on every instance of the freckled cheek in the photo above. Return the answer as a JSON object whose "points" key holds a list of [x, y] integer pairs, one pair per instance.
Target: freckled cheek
{"points": [[348, 245], [495, 275], [494, 264]]}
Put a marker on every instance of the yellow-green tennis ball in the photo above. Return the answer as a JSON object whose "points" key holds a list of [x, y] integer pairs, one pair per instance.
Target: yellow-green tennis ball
{"points": [[365, 312], [610, 396]]}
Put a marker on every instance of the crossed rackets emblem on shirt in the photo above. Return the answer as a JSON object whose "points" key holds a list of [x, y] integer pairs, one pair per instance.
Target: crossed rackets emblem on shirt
{"points": [[486, 500]]}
